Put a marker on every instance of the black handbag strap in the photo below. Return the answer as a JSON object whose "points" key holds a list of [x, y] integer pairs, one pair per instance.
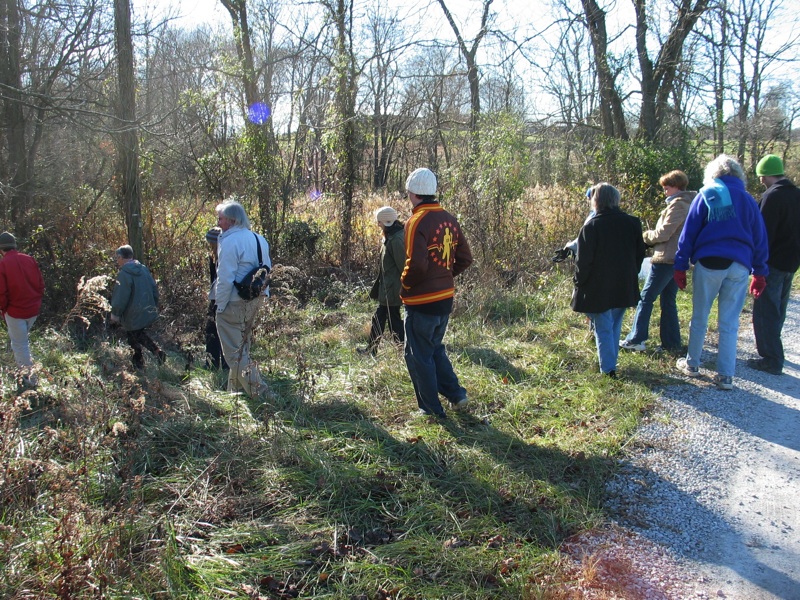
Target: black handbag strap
{"points": [[258, 249]]}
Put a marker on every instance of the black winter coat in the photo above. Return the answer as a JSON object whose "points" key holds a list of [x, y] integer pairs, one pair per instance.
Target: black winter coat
{"points": [[780, 207], [610, 254]]}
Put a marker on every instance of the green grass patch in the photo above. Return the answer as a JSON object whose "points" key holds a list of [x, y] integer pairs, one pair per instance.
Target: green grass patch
{"points": [[160, 485]]}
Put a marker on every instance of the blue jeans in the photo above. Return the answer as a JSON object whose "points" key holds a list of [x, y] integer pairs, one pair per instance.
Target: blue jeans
{"points": [[18, 330], [730, 287], [769, 313], [659, 283], [428, 365], [607, 328]]}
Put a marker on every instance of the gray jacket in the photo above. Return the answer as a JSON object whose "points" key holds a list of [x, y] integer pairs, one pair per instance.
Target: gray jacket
{"points": [[135, 297]]}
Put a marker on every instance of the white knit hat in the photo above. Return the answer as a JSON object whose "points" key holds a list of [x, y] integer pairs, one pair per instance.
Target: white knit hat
{"points": [[386, 215], [422, 182]]}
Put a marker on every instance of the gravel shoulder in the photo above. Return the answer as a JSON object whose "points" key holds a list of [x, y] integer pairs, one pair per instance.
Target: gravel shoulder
{"points": [[709, 489]]}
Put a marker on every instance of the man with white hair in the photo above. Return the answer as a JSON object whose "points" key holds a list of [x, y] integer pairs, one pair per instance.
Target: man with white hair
{"points": [[725, 239], [436, 251], [239, 252]]}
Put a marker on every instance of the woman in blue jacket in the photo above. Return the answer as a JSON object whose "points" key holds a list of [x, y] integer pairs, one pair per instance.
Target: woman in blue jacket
{"points": [[725, 239]]}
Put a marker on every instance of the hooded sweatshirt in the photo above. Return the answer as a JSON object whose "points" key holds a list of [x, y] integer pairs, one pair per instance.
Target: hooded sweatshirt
{"points": [[741, 237], [135, 297], [21, 285]]}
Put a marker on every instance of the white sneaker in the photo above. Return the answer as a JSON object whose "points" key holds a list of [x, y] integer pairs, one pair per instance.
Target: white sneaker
{"points": [[632, 346], [724, 382], [684, 367]]}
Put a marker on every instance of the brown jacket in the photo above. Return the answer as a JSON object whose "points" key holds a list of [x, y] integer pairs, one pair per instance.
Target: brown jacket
{"points": [[436, 251], [664, 238]]}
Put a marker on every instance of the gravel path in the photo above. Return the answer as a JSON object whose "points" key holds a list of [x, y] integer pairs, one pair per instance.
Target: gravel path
{"points": [[710, 490]]}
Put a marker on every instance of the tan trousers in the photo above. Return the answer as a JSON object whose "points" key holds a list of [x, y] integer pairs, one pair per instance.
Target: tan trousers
{"points": [[235, 329]]}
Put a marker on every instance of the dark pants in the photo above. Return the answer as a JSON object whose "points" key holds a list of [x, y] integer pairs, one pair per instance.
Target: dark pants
{"points": [[428, 364], [769, 313], [139, 338], [384, 314], [659, 283], [214, 357]]}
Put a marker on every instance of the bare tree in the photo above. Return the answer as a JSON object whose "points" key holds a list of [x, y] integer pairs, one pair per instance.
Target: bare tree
{"points": [[260, 136], [345, 73], [128, 135], [51, 56], [469, 54], [612, 115], [658, 78], [393, 110], [753, 57]]}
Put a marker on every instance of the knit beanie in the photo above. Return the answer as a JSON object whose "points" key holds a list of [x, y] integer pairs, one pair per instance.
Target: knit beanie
{"points": [[422, 182], [212, 235], [7, 241], [770, 165], [386, 215]]}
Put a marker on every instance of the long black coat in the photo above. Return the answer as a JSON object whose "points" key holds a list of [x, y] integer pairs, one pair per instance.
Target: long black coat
{"points": [[610, 254]]}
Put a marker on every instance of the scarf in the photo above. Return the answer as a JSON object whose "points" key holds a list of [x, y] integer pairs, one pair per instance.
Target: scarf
{"points": [[718, 201]]}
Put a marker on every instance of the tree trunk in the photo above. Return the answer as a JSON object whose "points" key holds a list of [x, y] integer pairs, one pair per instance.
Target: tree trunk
{"points": [[128, 134], [612, 115], [18, 169], [658, 79], [260, 135], [473, 73]]}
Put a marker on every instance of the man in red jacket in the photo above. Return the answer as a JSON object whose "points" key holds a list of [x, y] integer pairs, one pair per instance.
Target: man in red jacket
{"points": [[436, 251], [21, 291]]}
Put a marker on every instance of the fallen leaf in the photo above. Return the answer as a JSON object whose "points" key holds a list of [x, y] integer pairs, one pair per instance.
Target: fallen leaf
{"points": [[495, 542]]}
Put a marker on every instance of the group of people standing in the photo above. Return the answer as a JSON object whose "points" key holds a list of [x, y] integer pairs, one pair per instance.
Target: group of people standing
{"points": [[236, 251], [720, 231]]}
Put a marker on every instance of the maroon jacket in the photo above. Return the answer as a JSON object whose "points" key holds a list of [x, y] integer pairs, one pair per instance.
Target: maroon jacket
{"points": [[436, 251], [21, 285]]}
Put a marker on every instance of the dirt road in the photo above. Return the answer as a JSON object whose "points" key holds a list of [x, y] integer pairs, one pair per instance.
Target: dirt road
{"points": [[714, 477]]}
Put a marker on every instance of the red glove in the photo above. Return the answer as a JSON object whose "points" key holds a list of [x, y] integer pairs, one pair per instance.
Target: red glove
{"points": [[757, 285], [680, 279]]}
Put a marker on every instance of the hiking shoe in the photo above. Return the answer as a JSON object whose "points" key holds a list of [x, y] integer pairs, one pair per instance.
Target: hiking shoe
{"points": [[685, 368], [632, 346], [762, 364], [673, 351], [424, 413], [724, 382], [460, 404]]}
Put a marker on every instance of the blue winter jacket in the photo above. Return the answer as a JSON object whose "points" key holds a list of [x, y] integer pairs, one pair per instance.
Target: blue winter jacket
{"points": [[742, 238]]}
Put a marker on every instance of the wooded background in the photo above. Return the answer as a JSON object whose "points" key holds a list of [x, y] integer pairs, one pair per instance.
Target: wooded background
{"points": [[123, 128]]}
